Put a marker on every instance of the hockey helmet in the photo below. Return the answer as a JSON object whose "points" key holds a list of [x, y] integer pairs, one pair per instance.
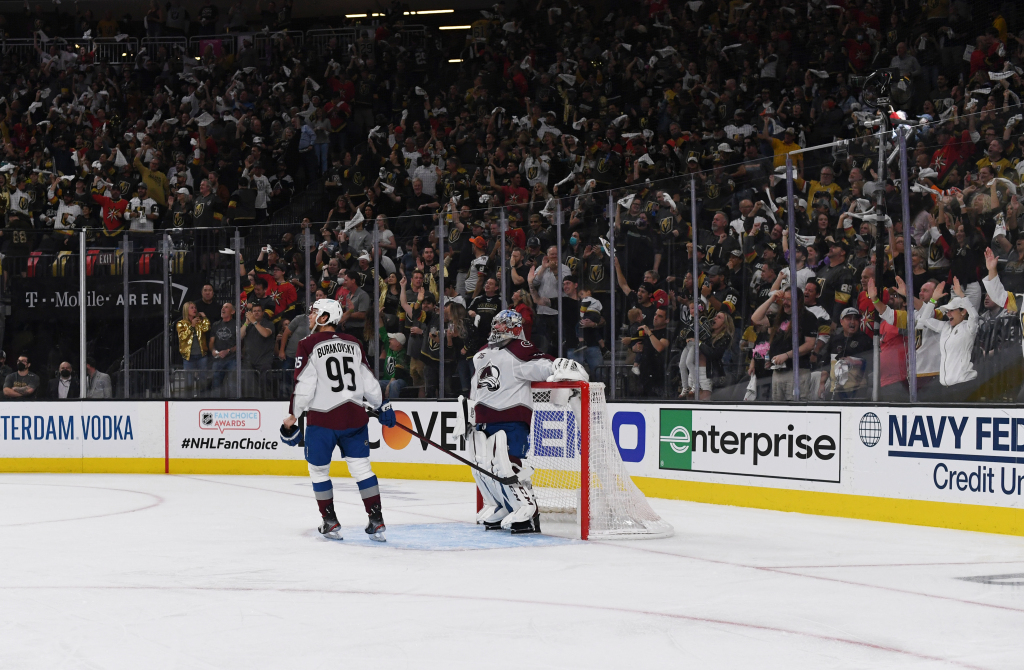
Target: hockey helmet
{"points": [[507, 325], [332, 308]]}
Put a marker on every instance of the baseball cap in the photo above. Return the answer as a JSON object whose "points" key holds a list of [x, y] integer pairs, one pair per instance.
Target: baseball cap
{"points": [[715, 270], [478, 222], [276, 266], [659, 298], [478, 242], [850, 311], [736, 252], [955, 303], [184, 191], [791, 131], [725, 148], [841, 243], [365, 256], [397, 336], [533, 242]]}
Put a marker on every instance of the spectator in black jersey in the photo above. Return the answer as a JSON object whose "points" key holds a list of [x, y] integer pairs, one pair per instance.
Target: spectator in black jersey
{"points": [[721, 295], [590, 335], [482, 311], [652, 348], [430, 345], [837, 280], [849, 354]]}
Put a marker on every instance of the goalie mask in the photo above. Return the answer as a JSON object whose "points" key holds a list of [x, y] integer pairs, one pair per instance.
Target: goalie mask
{"points": [[507, 325], [322, 307]]}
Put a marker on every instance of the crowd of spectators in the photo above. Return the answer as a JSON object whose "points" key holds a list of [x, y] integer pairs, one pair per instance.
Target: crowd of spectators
{"points": [[624, 123]]}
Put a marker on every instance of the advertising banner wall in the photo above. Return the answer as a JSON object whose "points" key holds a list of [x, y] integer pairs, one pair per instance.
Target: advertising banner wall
{"points": [[81, 430], [960, 455], [960, 467]]}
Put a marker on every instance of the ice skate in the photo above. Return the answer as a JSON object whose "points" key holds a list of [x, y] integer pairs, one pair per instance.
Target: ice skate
{"points": [[375, 528], [493, 521], [330, 528], [528, 526]]}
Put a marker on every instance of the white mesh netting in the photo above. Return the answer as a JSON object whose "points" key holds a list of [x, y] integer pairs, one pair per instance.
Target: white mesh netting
{"points": [[617, 507]]}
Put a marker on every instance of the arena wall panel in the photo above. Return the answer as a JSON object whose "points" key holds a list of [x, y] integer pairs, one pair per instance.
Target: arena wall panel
{"points": [[954, 467]]}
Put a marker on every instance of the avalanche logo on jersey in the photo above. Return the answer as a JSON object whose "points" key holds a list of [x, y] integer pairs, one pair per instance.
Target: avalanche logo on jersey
{"points": [[490, 378]]}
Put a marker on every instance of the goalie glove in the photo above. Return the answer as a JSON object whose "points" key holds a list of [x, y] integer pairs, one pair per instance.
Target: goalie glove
{"points": [[291, 436], [568, 370], [386, 415]]}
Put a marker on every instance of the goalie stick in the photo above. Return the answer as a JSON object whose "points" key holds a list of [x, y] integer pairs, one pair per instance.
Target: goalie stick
{"points": [[501, 480]]}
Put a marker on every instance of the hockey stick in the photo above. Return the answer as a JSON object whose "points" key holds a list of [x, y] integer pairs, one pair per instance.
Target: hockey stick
{"points": [[501, 480]]}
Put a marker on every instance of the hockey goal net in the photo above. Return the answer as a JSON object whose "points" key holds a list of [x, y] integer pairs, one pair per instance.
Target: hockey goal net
{"points": [[578, 473]]}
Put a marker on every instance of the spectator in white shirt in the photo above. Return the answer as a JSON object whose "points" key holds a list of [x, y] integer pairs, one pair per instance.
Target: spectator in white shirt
{"points": [[956, 340], [142, 211], [427, 173]]}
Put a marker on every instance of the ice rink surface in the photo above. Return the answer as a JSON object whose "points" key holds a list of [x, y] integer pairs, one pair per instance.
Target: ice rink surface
{"points": [[150, 571]]}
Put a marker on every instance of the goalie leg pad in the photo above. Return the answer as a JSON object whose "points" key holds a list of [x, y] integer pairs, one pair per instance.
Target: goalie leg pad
{"points": [[496, 447], [522, 499], [477, 444], [517, 498], [494, 509]]}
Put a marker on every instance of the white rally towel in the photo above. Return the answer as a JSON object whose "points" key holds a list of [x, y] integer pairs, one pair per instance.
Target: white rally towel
{"points": [[354, 221], [627, 201]]}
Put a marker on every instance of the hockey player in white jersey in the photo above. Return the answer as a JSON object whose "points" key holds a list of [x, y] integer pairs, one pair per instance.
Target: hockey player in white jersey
{"points": [[332, 379], [501, 408]]}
